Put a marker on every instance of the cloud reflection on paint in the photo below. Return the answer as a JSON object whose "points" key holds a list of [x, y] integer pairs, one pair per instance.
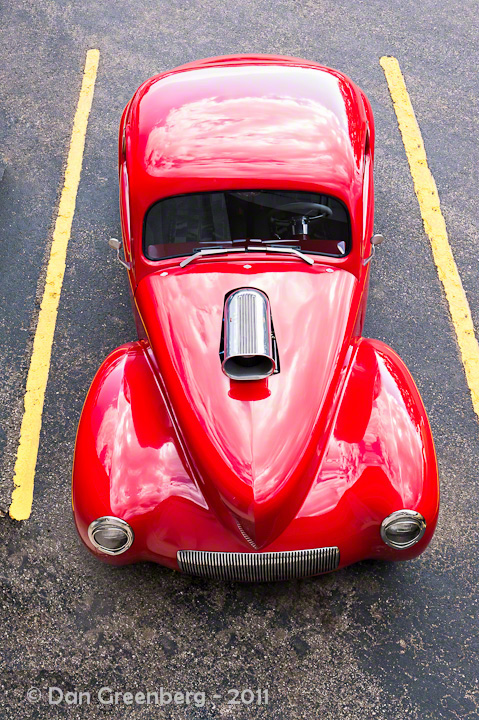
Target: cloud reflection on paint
{"points": [[209, 133], [141, 475]]}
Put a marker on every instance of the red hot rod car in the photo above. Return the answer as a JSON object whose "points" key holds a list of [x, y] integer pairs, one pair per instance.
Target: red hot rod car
{"points": [[251, 432]]}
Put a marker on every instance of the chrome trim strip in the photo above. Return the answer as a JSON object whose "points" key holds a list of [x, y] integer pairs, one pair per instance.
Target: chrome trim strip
{"points": [[258, 567]]}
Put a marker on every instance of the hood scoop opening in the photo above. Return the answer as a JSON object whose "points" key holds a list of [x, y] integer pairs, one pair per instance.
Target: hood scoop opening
{"points": [[248, 349]]}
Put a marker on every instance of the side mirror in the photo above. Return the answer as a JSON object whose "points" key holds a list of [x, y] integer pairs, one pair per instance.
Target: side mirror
{"points": [[375, 241], [115, 244]]}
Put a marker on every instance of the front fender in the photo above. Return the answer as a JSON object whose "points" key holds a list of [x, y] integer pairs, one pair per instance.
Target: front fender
{"points": [[380, 458], [128, 462]]}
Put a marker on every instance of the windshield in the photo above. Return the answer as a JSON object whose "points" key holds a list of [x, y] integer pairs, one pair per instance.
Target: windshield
{"points": [[183, 224]]}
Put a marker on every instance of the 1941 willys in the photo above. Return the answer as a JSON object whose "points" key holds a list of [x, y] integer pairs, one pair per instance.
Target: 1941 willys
{"points": [[251, 432]]}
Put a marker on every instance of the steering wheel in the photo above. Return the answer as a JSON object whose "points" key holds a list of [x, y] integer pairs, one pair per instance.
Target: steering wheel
{"points": [[302, 212], [311, 210]]}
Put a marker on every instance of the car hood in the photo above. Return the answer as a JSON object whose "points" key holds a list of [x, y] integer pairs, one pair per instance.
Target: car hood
{"points": [[255, 447]]}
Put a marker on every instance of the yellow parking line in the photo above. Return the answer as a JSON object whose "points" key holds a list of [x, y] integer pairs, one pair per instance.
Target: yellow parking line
{"points": [[434, 225], [37, 377]]}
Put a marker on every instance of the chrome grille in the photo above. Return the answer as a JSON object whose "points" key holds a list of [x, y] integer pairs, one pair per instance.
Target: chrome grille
{"points": [[257, 567]]}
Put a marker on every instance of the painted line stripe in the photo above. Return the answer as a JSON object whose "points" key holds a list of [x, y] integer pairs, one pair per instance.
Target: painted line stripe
{"points": [[434, 225], [37, 378]]}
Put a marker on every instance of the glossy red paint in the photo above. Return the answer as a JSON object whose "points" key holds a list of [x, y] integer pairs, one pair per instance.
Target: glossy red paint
{"points": [[317, 455]]}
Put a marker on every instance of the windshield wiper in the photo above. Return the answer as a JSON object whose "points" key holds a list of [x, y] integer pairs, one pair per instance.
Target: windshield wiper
{"points": [[250, 248], [283, 250], [209, 251]]}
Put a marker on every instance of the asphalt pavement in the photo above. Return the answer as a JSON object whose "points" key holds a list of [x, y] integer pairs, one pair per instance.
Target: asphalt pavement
{"points": [[371, 641]]}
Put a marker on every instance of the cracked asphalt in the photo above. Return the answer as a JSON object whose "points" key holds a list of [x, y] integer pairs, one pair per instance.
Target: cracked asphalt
{"points": [[372, 641]]}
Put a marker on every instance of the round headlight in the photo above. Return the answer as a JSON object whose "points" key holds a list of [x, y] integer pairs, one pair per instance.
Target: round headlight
{"points": [[402, 529], [111, 535]]}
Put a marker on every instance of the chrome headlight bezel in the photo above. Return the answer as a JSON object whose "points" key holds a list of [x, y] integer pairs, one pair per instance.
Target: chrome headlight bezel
{"points": [[106, 522], [398, 516]]}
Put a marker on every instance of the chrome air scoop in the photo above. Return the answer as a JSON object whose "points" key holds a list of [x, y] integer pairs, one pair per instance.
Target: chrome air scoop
{"points": [[248, 341]]}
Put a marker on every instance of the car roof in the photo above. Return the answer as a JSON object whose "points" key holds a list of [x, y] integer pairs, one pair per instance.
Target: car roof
{"points": [[246, 122]]}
